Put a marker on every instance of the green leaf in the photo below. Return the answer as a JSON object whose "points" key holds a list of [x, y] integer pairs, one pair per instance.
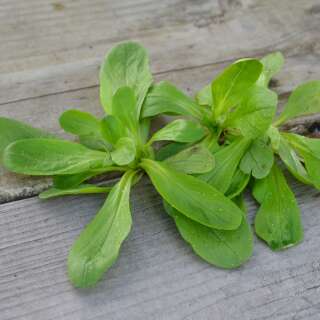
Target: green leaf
{"points": [[144, 129], [98, 245], [179, 130], [224, 249], [292, 161], [238, 183], [272, 64], [112, 129], [304, 100], [125, 151], [309, 150], [275, 138], [278, 220], [204, 96], [81, 189], [255, 113], [196, 159], [165, 98], [52, 157], [79, 123], [124, 108], [12, 130], [86, 126], [233, 84], [126, 65], [193, 197], [95, 143], [73, 180], [170, 149], [258, 159], [227, 160]]}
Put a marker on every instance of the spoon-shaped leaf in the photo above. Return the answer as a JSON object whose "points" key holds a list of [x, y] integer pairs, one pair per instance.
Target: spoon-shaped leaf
{"points": [[196, 159], [179, 130], [12, 130], [233, 84], [125, 65], [165, 98], [193, 197], [125, 151], [52, 157], [278, 220], [99, 243], [224, 249]]}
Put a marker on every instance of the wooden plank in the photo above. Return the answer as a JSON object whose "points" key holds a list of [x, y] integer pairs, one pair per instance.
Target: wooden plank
{"points": [[44, 111], [49, 51], [157, 276]]}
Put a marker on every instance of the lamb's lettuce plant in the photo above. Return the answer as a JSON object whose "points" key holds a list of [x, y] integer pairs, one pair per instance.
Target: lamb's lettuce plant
{"points": [[237, 110], [225, 139], [118, 142]]}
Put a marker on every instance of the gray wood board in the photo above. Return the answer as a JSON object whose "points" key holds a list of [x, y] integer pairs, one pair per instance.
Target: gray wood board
{"points": [[157, 275], [48, 50]]}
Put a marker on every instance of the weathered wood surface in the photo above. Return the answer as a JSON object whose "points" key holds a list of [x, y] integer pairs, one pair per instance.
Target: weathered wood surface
{"points": [[52, 51], [49, 59], [157, 276]]}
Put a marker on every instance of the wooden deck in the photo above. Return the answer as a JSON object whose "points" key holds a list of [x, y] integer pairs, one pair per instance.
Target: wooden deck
{"points": [[49, 58]]}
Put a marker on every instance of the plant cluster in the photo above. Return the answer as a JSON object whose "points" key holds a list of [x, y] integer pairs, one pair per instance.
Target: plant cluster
{"points": [[224, 140]]}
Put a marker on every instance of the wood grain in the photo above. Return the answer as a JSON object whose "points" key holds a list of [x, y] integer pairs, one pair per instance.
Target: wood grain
{"points": [[157, 275], [49, 51]]}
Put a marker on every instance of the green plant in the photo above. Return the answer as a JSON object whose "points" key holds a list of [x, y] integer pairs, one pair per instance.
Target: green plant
{"points": [[118, 142], [238, 113], [230, 138]]}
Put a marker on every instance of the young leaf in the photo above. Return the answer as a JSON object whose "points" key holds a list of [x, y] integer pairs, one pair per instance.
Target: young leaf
{"points": [[278, 219], [233, 84], [272, 64], [12, 130], [99, 243], [255, 112], [125, 151], [196, 159], [238, 183], [52, 157], [258, 159], [126, 65], [95, 143], [224, 249], [204, 96], [86, 126], [292, 161], [275, 138], [304, 100], [124, 108], [179, 130], [165, 98], [193, 197], [79, 123], [227, 160], [81, 189], [309, 149], [112, 129]]}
